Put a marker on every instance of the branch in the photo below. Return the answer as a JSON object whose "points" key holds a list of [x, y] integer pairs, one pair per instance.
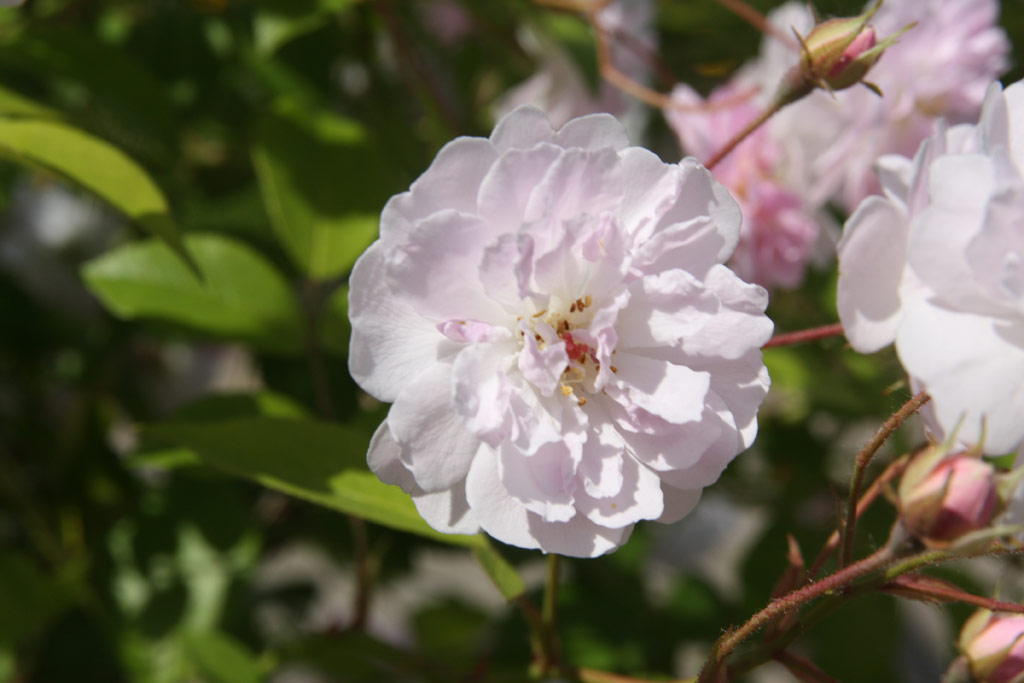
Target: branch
{"points": [[803, 336], [848, 525]]}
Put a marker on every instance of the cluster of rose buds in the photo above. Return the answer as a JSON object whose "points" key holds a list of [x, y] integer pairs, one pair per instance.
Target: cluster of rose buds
{"points": [[953, 499]]}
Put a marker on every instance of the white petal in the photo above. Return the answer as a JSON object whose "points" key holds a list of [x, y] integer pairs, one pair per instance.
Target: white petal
{"points": [[506, 189], [703, 196], [543, 482], [651, 188], [671, 392], [973, 369], [384, 461], [639, 498], [580, 182], [435, 443], [447, 511], [522, 128], [872, 261], [391, 343], [421, 269], [497, 512], [593, 131], [579, 537], [451, 183], [481, 391]]}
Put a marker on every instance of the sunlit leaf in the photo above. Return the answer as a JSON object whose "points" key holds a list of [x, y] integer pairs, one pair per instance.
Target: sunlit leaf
{"points": [[220, 658], [95, 165], [323, 186], [319, 462], [241, 296]]}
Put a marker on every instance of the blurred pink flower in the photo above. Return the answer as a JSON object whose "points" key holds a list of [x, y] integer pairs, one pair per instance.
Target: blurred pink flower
{"points": [[565, 352], [938, 69], [559, 88], [994, 646], [778, 234], [936, 265]]}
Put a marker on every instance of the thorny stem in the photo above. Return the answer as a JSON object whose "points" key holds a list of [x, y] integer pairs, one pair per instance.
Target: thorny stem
{"points": [[818, 612], [848, 524], [756, 123], [894, 470], [803, 336], [750, 15], [780, 606]]}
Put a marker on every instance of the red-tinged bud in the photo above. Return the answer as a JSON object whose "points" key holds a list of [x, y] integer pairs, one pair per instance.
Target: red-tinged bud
{"points": [[836, 55], [993, 644], [957, 497]]}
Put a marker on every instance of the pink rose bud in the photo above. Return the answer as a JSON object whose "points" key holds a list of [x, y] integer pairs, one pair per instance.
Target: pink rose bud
{"points": [[837, 54], [959, 495], [994, 646]]}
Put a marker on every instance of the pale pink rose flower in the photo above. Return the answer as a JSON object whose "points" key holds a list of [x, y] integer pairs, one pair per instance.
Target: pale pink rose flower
{"points": [[565, 353], [779, 232], [937, 264], [938, 69]]}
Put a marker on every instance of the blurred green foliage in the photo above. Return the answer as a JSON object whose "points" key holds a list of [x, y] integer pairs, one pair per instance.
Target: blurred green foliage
{"points": [[261, 138]]}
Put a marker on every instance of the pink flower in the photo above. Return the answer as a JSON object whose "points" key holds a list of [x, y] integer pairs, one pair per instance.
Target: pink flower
{"points": [[936, 265], [560, 89], [565, 352], [779, 233], [994, 646], [938, 69]]}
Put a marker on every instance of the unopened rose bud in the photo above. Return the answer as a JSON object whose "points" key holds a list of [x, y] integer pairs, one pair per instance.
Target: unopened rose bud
{"points": [[836, 55], [993, 645], [944, 498]]}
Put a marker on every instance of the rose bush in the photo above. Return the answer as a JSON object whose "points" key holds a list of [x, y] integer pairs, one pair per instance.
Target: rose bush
{"points": [[565, 352]]}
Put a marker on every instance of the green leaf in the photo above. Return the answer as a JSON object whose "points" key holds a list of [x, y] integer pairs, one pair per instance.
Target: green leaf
{"points": [[220, 658], [319, 462], [241, 297], [503, 574], [323, 185], [97, 166], [13, 104]]}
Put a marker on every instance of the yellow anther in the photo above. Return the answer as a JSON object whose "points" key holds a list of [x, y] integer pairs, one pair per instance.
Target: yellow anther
{"points": [[540, 313], [566, 390], [581, 402]]}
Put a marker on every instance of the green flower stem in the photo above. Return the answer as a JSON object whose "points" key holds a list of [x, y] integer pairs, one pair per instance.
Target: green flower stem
{"points": [[849, 523], [549, 655]]}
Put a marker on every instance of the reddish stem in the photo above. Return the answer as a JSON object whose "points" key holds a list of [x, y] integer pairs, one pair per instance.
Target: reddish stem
{"points": [[848, 525], [804, 336]]}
